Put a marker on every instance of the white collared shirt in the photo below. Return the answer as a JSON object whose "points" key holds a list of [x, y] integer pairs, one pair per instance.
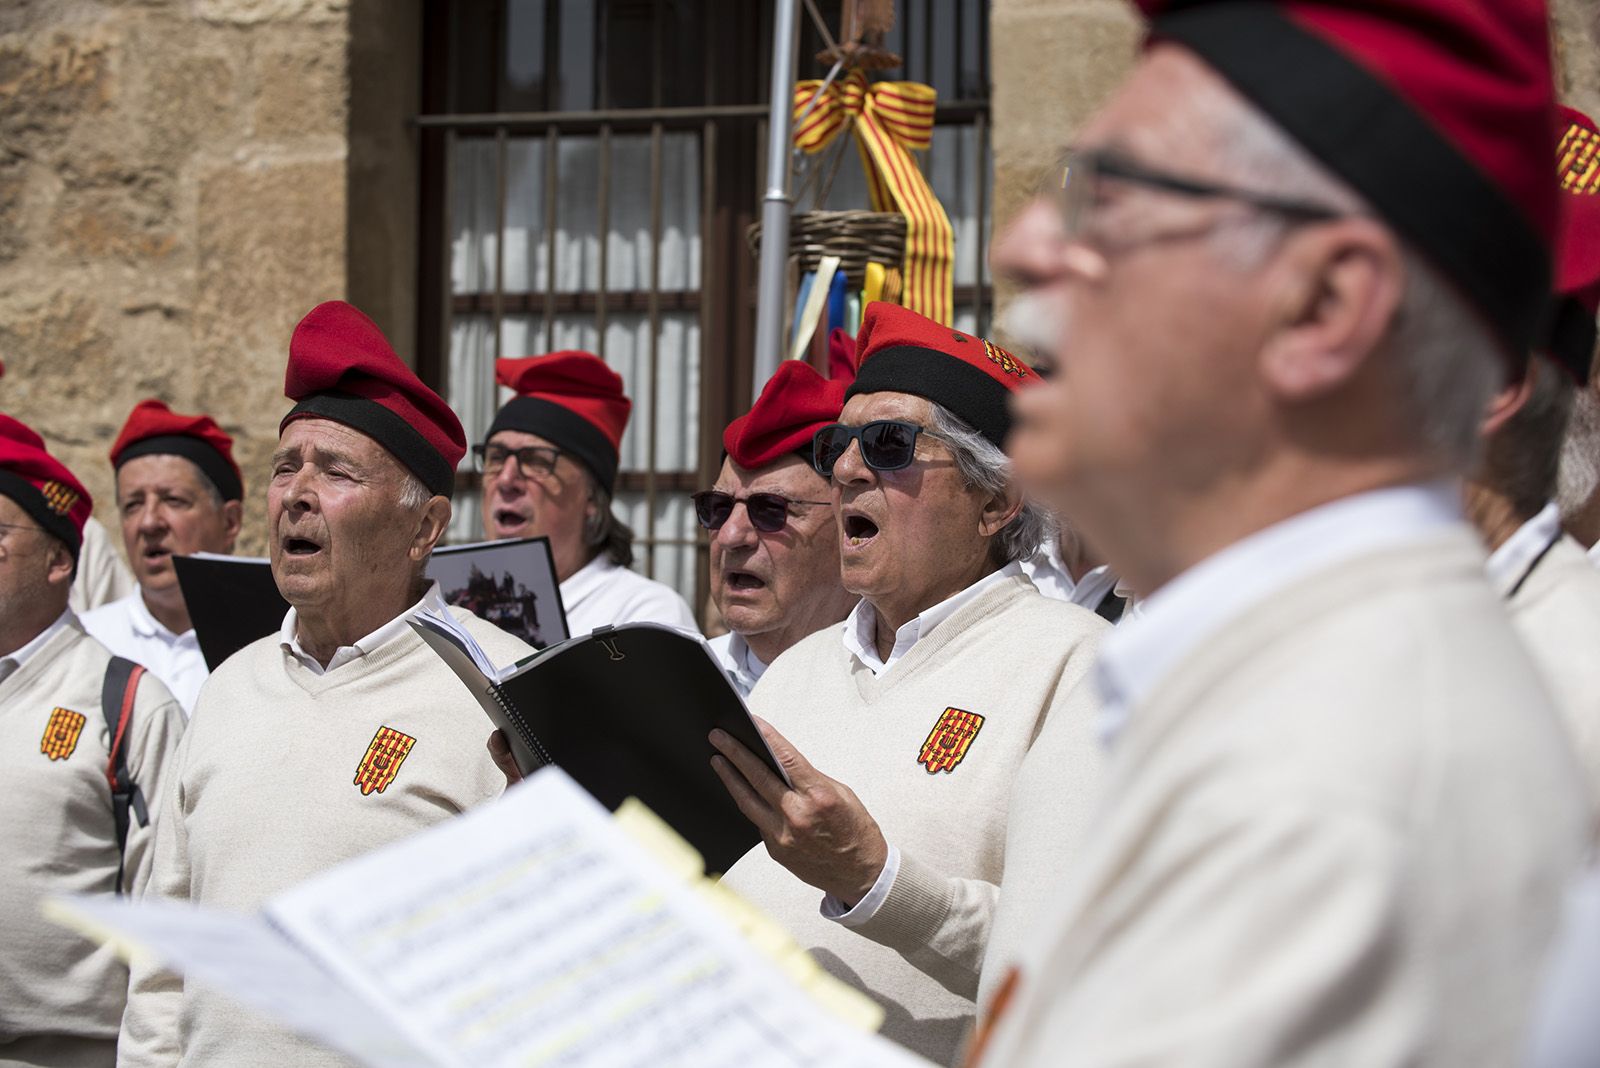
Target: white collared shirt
{"points": [[861, 625], [1049, 575], [1510, 564], [11, 663], [744, 668], [603, 594], [288, 637], [1594, 554], [127, 628], [1190, 609]]}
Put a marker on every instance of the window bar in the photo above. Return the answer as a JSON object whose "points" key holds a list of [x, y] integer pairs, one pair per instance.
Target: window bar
{"points": [[708, 200], [655, 345], [552, 152], [603, 225], [980, 158], [446, 284], [501, 192]]}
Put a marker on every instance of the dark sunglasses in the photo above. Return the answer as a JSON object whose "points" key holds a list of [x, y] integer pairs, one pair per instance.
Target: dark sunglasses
{"points": [[768, 512], [886, 444]]}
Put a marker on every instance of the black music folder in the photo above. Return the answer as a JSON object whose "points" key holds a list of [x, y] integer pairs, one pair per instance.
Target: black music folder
{"points": [[624, 711]]}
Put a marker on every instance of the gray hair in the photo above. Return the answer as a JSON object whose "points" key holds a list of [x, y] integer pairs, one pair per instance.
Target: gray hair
{"points": [[1580, 454], [413, 494], [986, 468], [1524, 455], [1447, 360]]}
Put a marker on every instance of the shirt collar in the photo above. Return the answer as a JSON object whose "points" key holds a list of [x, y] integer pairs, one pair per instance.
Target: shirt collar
{"points": [[1049, 574], [1509, 565], [586, 578], [145, 624], [861, 626], [289, 641], [38, 641], [1190, 609], [746, 664]]}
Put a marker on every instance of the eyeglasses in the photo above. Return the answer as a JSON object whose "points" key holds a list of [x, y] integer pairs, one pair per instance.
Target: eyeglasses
{"points": [[886, 444], [768, 512], [533, 461], [6, 527], [1083, 172]]}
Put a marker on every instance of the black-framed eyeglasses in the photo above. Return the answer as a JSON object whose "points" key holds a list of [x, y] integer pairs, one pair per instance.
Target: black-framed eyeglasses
{"points": [[1083, 171], [886, 444], [533, 461], [768, 512]]}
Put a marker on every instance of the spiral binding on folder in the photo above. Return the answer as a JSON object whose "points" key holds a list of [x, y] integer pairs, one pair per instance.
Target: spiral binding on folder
{"points": [[515, 719]]}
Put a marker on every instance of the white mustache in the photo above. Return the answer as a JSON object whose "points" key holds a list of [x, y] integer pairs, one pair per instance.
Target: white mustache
{"points": [[1035, 321]]}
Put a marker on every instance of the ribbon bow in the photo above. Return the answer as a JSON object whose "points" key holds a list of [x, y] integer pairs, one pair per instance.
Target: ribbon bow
{"points": [[890, 119]]}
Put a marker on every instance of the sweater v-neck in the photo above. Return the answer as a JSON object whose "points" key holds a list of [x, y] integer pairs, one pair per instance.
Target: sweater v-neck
{"points": [[989, 603], [352, 672], [44, 658]]}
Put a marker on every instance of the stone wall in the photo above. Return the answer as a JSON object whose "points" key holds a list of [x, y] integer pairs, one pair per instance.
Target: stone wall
{"points": [[1055, 61], [175, 191]]}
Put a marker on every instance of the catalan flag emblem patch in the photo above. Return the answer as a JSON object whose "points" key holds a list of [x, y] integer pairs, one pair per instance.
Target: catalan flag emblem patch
{"points": [[387, 752], [59, 496], [949, 740], [61, 733], [1578, 161], [1008, 363]]}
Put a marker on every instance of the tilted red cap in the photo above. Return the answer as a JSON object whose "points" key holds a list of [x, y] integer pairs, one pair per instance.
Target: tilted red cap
{"points": [[1578, 261], [342, 368], [41, 484], [571, 399], [795, 403], [154, 429], [899, 351], [1436, 111]]}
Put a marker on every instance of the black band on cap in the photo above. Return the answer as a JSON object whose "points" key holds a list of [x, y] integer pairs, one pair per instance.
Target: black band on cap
{"points": [[211, 463], [30, 500], [388, 430], [563, 428], [978, 399], [1572, 338], [1363, 131]]}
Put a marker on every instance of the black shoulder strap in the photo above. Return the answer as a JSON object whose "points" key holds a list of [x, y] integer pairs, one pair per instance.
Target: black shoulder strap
{"points": [[1111, 607], [116, 703]]}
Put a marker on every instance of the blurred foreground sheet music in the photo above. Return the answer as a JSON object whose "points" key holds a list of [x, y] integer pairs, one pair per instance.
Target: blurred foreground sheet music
{"points": [[533, 931]]}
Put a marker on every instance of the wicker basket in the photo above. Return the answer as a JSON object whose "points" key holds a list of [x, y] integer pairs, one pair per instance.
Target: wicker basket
{"points": [[856, 237]]}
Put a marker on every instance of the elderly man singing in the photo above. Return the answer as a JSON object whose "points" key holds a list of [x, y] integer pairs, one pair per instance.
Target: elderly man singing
{"points": [[774, 542], [926, 700], [1306, 242], [344, 731]]}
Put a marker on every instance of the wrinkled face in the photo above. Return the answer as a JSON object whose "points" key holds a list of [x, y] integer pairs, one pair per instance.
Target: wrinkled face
{"points": [[1154, 388], [904, 534], [168, 509], [762, 581], [552, 504], [31, 562], [338, 534]]}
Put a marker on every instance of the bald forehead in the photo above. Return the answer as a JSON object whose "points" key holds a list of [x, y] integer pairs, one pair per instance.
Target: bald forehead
{"points": [[789, 475], [1172, 107], [865, 407], [162, 471]]}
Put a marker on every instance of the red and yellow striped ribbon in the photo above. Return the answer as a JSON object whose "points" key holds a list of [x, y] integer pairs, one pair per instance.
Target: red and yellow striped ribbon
{"points": [[891, 119]]}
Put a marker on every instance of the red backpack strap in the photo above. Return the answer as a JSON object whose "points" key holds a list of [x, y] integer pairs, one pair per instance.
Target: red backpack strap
{"points": [[116, 703]]}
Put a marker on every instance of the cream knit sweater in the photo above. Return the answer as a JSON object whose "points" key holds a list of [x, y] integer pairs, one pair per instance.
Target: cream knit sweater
{"points": [[266, 795], [61, 996], [1011, 656], [1557, 613], [1338, 834]]}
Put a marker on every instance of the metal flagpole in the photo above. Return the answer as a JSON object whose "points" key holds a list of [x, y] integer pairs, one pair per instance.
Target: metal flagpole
{"points": [[775, 203]]}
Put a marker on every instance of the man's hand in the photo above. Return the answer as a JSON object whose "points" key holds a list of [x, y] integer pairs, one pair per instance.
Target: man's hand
{"points": [[500, 751], [818, 829]]}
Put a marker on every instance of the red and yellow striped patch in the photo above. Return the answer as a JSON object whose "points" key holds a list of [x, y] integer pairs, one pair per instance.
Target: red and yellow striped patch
{"points": [[1578, 161], [59, 496], [61, 733], [949, 740], [382, 761]]}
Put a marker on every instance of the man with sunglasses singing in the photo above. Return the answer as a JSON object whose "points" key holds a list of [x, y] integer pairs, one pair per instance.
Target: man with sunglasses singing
{"points": [[774, 542], [1306, 241], [927, 699], [549, 466]]}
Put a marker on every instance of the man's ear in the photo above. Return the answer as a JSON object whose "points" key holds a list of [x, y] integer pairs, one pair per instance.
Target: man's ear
{"points": [[1509, 399], [232, 521], [60, 566], [1338, 286], [431, 525], [999, 510]]}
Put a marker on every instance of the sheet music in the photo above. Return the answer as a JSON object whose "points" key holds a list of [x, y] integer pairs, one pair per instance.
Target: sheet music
{"points": [[452, 628], [254, 963], [534, 932]]}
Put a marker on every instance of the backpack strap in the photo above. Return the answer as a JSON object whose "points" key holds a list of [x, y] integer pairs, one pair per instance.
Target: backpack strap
{"points": [[116, 702]]}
